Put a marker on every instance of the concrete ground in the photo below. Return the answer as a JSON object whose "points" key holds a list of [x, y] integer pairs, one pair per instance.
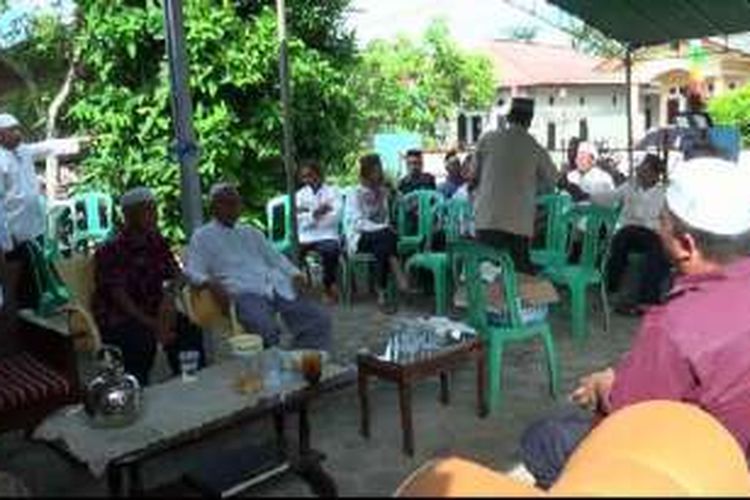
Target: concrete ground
{"points": [[375, 467]]}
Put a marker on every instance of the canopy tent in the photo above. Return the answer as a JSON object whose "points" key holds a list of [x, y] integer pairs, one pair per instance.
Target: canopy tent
{"points": [[637, 23], [648, 22]]}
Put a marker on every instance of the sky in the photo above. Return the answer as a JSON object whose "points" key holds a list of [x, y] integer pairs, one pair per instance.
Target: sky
{"points": [[471, 21]]}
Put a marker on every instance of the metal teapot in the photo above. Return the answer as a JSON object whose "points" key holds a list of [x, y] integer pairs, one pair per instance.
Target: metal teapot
{"points": [[113, 398]]}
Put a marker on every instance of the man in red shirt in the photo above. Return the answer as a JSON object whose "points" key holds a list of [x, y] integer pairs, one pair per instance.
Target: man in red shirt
{"points": [[132, 303], [694, 348]]}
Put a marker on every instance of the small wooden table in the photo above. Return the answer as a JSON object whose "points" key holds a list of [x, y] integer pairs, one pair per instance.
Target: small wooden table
{"points": [[404, 370]]}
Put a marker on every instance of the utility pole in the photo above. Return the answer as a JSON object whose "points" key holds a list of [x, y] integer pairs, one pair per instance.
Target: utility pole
{"points": [[185, 147], [289, 164]]}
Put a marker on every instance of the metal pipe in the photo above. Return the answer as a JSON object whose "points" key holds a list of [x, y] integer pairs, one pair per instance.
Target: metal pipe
{"points": [[185, 147], [289, 165]]}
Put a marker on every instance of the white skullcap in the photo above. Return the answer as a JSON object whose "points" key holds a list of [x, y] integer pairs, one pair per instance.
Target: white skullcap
{"points": [[8, 121], [136, 196], [219, 188], [712, 195], [587, 147]]}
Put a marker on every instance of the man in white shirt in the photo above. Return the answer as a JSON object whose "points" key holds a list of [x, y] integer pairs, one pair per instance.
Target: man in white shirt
{"points": [[22, 200], [319, 217], [588, 179], [643, 200], [237, 264], [513, 169]]}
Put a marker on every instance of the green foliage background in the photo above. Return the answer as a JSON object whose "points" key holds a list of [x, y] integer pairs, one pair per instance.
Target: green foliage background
{"points": [[341, 95], [733, 108]]}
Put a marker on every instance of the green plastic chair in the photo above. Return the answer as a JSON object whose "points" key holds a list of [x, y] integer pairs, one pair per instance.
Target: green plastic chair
{"points": [[555, 250], [425, 201], [89, 225], [279, 223], [600, 223], [455, 215], [496, 335], [53, 293]]}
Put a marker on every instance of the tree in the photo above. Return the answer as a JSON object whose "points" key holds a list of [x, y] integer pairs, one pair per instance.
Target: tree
{"points": [[594, 42], [415, 85], [733, 108], [122, 95]]}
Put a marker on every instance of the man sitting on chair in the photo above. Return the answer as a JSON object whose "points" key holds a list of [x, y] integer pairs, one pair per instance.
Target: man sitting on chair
{"points": [[237, 264], [131, 305]]}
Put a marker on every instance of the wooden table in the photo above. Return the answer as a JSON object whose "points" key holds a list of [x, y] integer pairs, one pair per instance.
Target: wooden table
{"points": [[123, 451], [404, 373]]}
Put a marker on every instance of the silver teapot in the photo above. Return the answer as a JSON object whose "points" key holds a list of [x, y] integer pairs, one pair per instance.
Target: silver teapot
{"points": [[113, 398]]}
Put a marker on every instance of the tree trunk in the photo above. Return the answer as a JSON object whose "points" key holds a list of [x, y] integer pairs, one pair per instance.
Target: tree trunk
{"points": [[52, 163]]}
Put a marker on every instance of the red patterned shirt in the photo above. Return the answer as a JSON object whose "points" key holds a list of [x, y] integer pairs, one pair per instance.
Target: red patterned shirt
{"points": [[138, 264]]}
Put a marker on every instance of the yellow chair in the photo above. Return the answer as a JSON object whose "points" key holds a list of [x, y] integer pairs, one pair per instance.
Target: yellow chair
{"points": [[77, 272], [655, 448]]}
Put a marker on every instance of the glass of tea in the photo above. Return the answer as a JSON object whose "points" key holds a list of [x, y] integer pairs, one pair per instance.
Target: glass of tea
{"points": [[311, 366]]}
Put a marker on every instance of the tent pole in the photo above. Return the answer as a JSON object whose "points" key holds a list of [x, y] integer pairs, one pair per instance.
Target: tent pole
{"points": [[629, 101], [185, 146], [289, 166]]}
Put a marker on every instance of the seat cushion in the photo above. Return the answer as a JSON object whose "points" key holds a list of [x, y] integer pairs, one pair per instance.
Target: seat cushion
{"points": [[27, 382]]}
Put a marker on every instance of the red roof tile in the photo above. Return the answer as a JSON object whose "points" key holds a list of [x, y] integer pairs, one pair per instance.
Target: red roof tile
{"points": [[523, 64]]}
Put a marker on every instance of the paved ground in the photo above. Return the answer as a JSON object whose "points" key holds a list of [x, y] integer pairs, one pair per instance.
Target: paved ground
{"points": [[377, 466]]}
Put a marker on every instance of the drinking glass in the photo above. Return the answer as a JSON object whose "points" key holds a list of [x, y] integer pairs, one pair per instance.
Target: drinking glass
{"points": [[189, 365]]}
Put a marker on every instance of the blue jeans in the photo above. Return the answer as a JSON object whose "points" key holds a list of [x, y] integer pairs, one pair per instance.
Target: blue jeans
{"points": [[309, 323], [547, 444]]}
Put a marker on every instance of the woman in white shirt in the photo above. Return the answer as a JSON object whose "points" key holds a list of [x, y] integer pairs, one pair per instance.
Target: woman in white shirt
{"points": [[643, 200], [318, 218], [368, 226]]}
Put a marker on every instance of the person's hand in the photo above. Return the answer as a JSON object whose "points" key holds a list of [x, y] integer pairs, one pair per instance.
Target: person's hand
{"points": [[593, 388], [220, 295], [321, 211]]}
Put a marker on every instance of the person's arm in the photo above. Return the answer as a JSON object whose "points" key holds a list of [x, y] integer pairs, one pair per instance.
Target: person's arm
{"points": [[198, 271], [546, 174], [360, 222], [331, 219], [42, 149], [610, 197], [126, 304], [654, 368], [305, 210], [274, 259]]}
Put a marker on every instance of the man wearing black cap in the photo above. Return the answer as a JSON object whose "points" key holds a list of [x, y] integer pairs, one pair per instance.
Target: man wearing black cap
{"points": [[513, 170]]}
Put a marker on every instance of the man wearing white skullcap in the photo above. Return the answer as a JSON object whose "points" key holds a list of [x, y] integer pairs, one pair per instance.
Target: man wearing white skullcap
{"points": [[694, 347], [238, 264], [21, 199], [588, 177], [132, 306]]}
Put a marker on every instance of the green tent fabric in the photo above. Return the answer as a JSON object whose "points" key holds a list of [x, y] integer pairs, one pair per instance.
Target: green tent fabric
{"points": [[650, 22]]}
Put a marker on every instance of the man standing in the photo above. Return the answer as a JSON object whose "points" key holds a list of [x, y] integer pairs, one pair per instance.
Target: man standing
{"points": [[416, 178], [513, 170], [237, 264], [133, 303], [22, 200], [694, 347]]}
